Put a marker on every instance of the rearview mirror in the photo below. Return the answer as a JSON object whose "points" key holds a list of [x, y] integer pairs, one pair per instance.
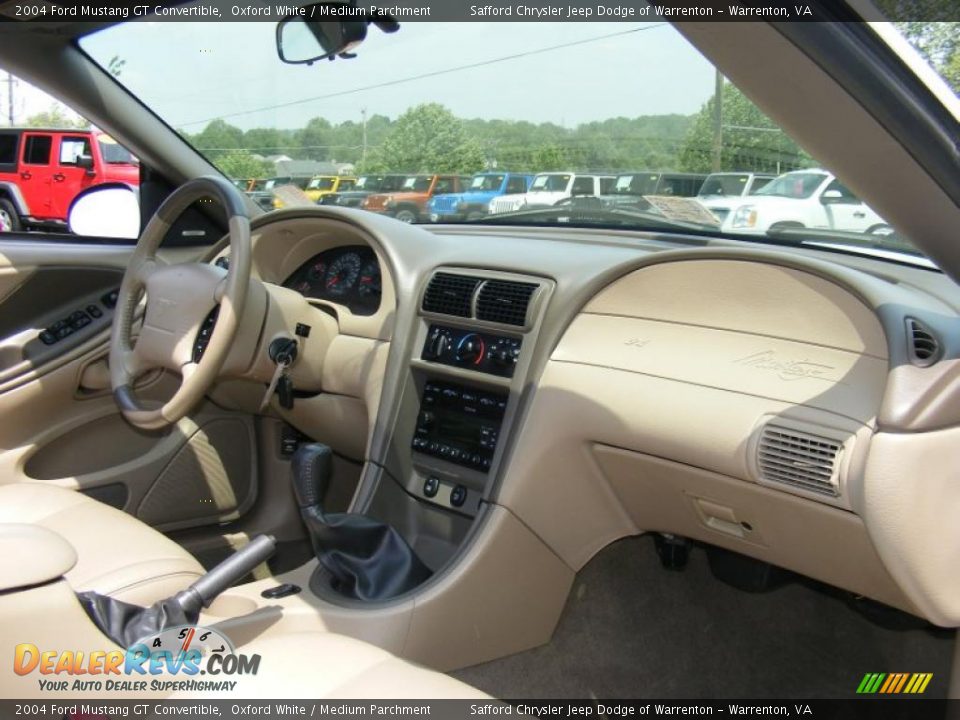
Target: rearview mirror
{"points": [[302, 39], [85, 162], [831, 196]]}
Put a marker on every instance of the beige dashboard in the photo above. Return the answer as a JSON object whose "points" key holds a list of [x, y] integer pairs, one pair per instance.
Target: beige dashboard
{"points": [[765, 401]]}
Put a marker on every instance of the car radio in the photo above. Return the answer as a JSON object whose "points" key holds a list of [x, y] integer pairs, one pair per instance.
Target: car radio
{"points": [[459, 424]]}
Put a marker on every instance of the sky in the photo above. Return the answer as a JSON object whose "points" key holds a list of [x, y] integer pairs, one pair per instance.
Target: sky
{"points": [[566, 73]]}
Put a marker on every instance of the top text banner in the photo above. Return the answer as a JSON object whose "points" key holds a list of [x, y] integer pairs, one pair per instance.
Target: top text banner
{"points": [[473, 11]]}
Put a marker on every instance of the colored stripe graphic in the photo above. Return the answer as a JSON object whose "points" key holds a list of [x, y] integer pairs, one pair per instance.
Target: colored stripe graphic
{"points": [[894, 683]]}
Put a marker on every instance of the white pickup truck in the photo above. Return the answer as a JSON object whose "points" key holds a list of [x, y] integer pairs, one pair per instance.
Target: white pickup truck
{"points": [[803, 199], [550, 188]]}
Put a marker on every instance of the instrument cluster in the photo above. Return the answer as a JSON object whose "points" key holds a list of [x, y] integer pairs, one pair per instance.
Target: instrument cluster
{"points": [[348, 276]]}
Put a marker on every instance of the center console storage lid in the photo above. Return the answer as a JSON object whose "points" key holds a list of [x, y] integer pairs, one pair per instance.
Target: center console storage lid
{"points": [[32, 555]]}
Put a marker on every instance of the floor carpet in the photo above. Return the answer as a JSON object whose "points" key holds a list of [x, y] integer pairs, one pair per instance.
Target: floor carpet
{"points": [[631, 629]]}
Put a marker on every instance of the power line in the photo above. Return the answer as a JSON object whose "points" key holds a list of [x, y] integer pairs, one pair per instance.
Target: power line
{"points": [[424, 76]]}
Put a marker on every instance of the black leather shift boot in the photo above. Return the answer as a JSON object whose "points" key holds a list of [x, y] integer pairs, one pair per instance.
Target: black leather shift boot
{"points": [[125, 623], [367, 559]]}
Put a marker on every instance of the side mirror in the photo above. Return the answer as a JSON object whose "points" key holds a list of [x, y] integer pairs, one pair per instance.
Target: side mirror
{"points": [[831, 196], [85, 162], [111, 211]]}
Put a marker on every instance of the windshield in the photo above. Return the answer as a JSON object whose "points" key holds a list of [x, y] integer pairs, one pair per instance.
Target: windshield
{"points": [[632, 100], [321, 184], [550, 183], [795, 185], [724, 185], [486, 182], [113, 153], [416, 184]]}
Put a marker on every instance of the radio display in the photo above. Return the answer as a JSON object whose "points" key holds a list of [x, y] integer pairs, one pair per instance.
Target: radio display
{"points": [[459, 424]]}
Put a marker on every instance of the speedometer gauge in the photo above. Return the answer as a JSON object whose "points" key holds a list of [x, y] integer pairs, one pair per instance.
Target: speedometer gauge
{"points": [[343, 274]]}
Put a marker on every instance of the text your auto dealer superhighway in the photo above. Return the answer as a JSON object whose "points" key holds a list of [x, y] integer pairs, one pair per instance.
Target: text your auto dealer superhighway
{"points": [[559, 12]]}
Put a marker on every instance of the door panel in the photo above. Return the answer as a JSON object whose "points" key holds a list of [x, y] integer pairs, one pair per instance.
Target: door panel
{"points": [[58, 420], [36, 154], [70, 179]]}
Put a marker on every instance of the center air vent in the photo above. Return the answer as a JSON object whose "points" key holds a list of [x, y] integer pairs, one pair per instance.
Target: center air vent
{"points": [[503, 301], [449, 294], [922, 345], [805, 461]]}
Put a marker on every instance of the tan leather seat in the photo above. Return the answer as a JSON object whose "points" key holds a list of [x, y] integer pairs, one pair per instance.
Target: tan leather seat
{"points": [[117, 554], [330, 666]]}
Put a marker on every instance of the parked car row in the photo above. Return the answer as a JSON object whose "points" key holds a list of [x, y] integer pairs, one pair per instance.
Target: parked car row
{"points": [[743, 202]]}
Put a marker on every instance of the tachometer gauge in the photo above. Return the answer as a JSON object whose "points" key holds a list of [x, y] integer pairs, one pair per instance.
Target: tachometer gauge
{"points": [[369, 286], [342, 274]]}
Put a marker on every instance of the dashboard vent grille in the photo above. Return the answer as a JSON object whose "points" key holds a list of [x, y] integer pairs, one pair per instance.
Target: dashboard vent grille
{"points": [[922, 345], [449, 294], [503, 301], [802, 460]]}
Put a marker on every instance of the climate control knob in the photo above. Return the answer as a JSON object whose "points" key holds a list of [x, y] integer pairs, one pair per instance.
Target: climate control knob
{"points": [[470, 349], [437, 345]]}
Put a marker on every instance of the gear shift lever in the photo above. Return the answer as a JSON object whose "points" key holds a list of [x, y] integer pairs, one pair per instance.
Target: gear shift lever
{"points": [[367, 559]]}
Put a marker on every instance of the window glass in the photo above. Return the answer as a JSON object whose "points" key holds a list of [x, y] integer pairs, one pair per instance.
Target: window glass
{"points": [[516, 185], [8, 148], [797, 185], [635, 100], [37, 150], [73, 147], [444, 185]]}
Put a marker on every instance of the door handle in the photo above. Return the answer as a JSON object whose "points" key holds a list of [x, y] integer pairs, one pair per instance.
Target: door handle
{"points": [[25, 175], [59, 177], [859, 214]]}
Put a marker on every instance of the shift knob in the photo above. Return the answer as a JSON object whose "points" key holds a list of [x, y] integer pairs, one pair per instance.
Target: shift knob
{"points": [[311, 467]]}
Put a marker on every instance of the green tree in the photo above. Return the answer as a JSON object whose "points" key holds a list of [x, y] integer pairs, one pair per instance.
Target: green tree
{"points": [[315, 140], [217, 139], [428, 138], [939, 43], [242, 165], [751, 141], [57, 116]]}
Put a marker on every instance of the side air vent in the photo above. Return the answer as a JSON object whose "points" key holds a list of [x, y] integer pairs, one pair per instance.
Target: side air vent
{"points": [[449, 294], [503, 301], [922, 345], [792, 457]]}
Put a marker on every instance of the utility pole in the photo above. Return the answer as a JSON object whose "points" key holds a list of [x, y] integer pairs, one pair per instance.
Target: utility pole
{"points": [[363, 151], [10, 81], [718, 122]]}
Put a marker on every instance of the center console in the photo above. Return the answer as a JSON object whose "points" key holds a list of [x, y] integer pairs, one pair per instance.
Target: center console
{"points": [[469, 360]]}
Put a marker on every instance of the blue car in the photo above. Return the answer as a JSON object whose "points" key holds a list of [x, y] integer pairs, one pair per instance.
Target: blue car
{"points": [[472, 204]]}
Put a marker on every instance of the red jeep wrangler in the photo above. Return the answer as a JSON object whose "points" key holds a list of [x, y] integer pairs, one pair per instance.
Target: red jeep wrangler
{"points": [[43, 171]]}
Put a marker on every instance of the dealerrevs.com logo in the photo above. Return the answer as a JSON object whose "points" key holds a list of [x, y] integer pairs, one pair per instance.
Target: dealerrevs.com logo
{"points": [[172, 660]]}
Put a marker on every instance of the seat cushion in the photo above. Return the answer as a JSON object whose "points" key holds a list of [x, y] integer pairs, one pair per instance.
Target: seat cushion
{"points": [[330, 666], [117, 554]]}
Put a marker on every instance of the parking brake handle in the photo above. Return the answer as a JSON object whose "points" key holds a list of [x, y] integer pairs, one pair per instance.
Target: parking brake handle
{"points": [[205, 590]]}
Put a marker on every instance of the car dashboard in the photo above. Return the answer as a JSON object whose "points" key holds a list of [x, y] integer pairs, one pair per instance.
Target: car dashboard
{"points": [[783, 404]]}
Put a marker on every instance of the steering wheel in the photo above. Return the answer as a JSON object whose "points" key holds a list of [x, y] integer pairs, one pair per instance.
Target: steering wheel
{"points": [[179, 299]]}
